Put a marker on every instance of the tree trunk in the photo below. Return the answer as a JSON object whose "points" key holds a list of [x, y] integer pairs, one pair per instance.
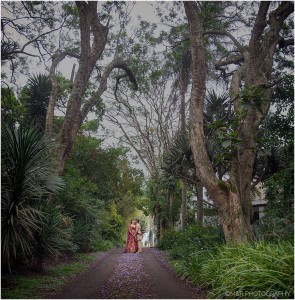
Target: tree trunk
{"points": [[56, 59], [184, 206], [232, 197], [224, 194], [183, 83], [235, 226], [93, 41], [170, 214], [199, 192]]}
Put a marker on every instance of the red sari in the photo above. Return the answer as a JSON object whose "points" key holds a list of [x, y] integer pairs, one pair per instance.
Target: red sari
{"points": [[131, 243]]}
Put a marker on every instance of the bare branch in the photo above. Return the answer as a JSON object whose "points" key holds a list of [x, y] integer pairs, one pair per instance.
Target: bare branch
{"points": [[285, 43], [56, 59], [38, 37], [234, 59], [223, 32], [119, 64], [258, 28], [25, 53]]}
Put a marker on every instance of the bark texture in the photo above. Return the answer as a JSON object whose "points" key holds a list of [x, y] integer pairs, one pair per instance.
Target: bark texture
{"points": [[93, 41], [199, 193], [232, 197]]}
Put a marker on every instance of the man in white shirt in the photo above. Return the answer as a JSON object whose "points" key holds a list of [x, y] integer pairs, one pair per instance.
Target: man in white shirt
{"points": [[138, 234]]}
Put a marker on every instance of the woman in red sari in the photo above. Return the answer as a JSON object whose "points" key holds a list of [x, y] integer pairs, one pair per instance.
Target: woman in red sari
{"points": [[131, 242]]}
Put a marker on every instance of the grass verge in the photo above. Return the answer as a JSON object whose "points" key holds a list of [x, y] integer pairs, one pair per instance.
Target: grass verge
{"points": [[42, 286], [264, 270]]}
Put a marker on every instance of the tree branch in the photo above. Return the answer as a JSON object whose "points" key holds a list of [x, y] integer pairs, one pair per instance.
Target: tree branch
{"points": [[56, 59], [37, 38], [223, 32], [234, 59], [285, 43], [258, 28], [117, 123], [281, 13], [119, 64], [26, 53]]}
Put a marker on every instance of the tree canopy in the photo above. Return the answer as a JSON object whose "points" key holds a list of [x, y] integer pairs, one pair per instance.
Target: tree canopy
{"points": [[188, 113]]}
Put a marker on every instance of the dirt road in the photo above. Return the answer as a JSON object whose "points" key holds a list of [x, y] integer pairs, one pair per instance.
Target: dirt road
{"points": [[119, 275]]}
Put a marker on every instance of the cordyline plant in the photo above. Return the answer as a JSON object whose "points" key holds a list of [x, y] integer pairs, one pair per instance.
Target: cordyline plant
{"points": [[27, 175]]}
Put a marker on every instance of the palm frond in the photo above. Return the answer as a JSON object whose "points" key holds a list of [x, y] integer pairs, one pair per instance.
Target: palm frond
{"points": [[35, 97], [27, 177]]}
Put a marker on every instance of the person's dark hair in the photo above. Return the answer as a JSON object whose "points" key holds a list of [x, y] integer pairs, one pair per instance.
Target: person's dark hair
{"points": [[137, 220]]}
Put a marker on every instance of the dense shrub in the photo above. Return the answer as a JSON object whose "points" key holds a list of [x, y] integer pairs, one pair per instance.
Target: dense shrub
{"points": [[101, 245], [244, 271], [273, 228], [263, 270], [193, 238], [278, 223]]}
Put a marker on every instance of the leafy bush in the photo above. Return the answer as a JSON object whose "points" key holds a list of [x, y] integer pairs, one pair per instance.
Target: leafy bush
{"points": [[101, 245], [262, 270], [278, 223], [111, 223], [81, 233], [193, 238], [273, 228], [190, 265]]}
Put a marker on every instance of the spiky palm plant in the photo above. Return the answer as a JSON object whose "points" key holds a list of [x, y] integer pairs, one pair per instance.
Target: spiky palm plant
{"points": [[27, 175], [216, 107], [35, 97], [54, 237], [178, 160]]}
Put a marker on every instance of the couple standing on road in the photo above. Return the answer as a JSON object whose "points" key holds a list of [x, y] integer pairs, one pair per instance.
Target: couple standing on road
{"points": [[134, 237]]}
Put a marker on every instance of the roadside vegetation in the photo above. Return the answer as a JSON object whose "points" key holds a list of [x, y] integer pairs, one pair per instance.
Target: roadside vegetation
{"points": [[41, 286], [185, 125], [261, 270]]}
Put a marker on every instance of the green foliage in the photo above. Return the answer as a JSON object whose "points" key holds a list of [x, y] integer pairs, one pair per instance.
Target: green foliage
{"points": [[11, 109], [232, 271], [33, 287], [27, 177], [100, 193], [112, 223], [274, 228], [192, 239], [108, 168], [278, 125], [101, 245], [79, 202], [35, 96], [252, 96], [244, 271], [157, 193], [54, 237], [190, 264], [278, 223], [178, 160], [81, 234]]}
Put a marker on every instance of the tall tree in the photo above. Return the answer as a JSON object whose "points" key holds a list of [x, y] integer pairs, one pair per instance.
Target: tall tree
{"points": [[92, 44], [251, 93]]}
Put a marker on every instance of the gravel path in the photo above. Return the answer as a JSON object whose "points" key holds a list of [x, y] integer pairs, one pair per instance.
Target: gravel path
{"points": [[119, 275]]}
